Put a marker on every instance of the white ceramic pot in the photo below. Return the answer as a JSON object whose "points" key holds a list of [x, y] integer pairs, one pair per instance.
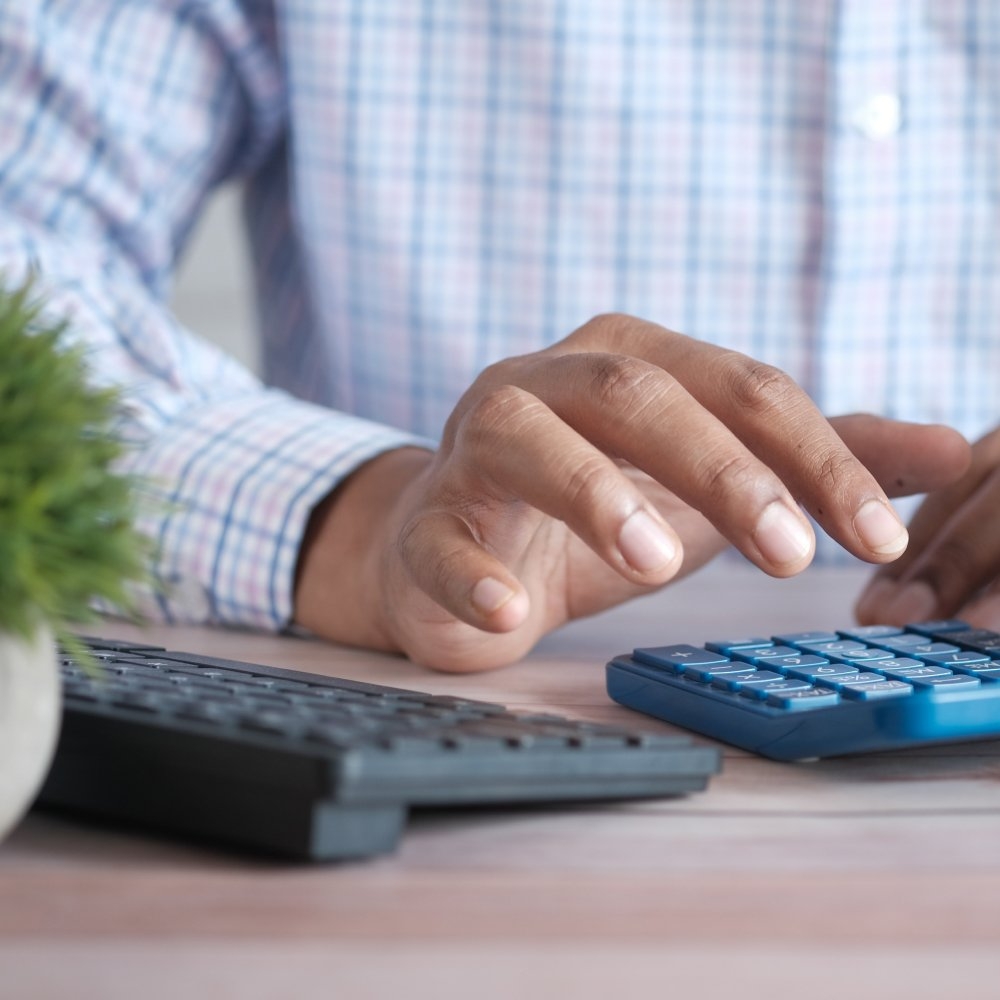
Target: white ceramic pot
{"points": [[30, 713]]}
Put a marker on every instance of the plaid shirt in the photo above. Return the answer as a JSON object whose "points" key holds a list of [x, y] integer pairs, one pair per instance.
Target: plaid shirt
{"points": [[435, 184]]}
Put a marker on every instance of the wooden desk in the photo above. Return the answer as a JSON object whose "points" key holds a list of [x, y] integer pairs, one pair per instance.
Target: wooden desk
{"points": [[875, 876]]}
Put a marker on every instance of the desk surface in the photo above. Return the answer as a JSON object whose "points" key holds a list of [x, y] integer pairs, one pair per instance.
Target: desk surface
{"points": [[877, 875]]}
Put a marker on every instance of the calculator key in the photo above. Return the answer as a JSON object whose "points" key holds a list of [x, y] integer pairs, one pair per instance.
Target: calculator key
{"points": [[988, 671], [676, 658], [728, 645], [858, 679], [864, 633], [738, 682], [862, 655], [761, 691], [789, 664], [797, 638], [918, 670], [982, 639], [935, 628], [951, 682], [709, 671], [915, 645], [959, 656], [803, 699], [881, 689], [765, 654], [824, 668], [834, 647]]}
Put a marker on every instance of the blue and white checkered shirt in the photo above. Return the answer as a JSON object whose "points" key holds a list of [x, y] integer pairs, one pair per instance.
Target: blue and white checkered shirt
{"points": [[435, 184]]}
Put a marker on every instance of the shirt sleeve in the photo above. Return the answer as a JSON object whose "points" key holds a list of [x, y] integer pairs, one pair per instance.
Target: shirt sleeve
{"points": [[117, 120]]}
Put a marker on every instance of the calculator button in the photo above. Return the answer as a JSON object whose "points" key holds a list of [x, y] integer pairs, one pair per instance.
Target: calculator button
{"points": [[863, 655], [709, 671], [859, 679], [783, 684], [917, 670], [727, 645], [983, 640], [802, 699], [738, 682], [934, 628], [915, 645], [950, 682], [676, 658], [864, 633], [797, 638], [824, 668], [881, 689], [988, 671], [834, 647], [791, 664], [959, 656], [766, 654]]}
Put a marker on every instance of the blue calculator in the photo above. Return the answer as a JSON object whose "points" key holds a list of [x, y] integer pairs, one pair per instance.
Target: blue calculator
{"points": [[821, 694]]}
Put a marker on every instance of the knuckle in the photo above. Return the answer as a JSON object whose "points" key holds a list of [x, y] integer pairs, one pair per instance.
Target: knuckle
{"points": [[731, 477], [587, 484], [618, 382], [759, 387], [484, 421], [833, 469]]}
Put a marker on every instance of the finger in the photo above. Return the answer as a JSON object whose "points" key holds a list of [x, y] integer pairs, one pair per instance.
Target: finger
{"points": [[905, 457], [446, 562], [929, 530], [962, 555], [635, 410], [779, 424], [512, 447], [984, 611]]}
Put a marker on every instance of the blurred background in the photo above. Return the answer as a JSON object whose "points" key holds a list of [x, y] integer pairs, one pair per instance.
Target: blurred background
{"points": [[213, 292]]}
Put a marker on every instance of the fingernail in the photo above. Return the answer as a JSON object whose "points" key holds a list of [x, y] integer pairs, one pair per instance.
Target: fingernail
{"points": [[489, 595], [644, 543], [879, 528], [874, 598], [781, 536], [916, 602]]}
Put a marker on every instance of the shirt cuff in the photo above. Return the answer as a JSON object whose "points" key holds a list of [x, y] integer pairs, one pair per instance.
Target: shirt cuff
{"points": [[226, 491]]}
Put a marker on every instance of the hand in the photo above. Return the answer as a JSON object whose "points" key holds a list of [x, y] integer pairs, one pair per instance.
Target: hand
{"points": [[574, 478], [952, 567]]}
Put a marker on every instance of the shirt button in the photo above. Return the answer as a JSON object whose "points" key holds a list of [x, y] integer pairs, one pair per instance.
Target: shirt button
{"points": [[880, 116]]}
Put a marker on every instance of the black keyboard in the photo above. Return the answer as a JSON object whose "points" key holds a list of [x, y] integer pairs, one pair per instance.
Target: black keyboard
{"points": [[296, 764]]}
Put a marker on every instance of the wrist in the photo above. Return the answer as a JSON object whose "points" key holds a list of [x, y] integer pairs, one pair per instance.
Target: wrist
{"points": [[340, 592]]}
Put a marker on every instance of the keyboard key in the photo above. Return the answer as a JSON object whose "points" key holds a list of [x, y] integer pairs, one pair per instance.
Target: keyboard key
{"points": [[709, 671], [859, 679], [765, 654], [833, 647], [981, 639]]}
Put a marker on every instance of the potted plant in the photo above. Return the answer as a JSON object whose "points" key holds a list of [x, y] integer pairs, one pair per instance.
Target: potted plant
{"points": [[66, 531]]}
